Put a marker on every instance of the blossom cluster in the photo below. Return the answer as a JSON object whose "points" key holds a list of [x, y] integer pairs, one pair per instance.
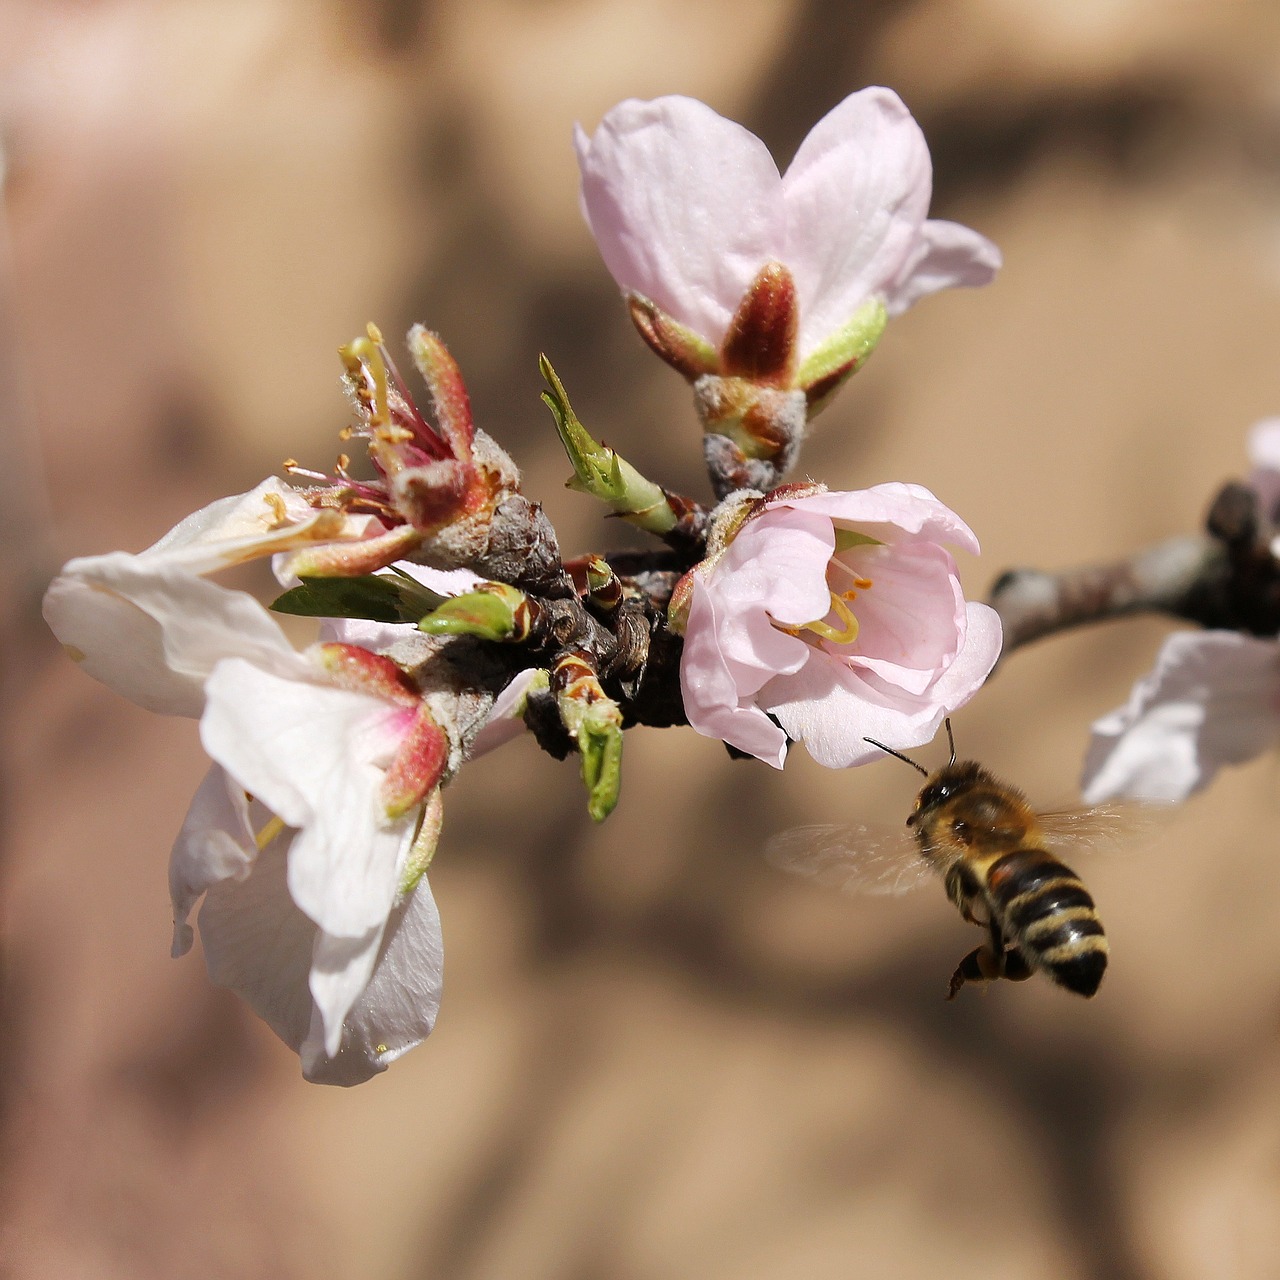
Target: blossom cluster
{"points": [[447, 620]]}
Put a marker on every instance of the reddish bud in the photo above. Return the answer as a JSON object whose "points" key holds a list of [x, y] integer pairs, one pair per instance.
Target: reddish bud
{"points": [[760, 344]]}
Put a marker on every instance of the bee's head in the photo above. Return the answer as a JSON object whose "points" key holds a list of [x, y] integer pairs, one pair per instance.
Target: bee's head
{"points": [[951, 780]]}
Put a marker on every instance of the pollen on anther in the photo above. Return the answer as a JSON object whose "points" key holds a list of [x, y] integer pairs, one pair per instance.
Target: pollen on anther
{"points": [[278, 509]]}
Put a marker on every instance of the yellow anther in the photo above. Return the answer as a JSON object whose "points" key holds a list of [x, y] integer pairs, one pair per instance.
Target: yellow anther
{"points": [[375, 334], [346, 433], [269, 833], [289, 464], [278, 509]]}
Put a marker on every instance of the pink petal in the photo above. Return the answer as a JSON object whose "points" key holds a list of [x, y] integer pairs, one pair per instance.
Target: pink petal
{"points": [[831, 707], [887, 511], [684, 205], [912, 618], [945, 254], [856, 195], [712, 699], [1212, 699]]}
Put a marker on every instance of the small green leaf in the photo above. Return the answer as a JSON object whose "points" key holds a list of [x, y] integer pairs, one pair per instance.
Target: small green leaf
{"points": [[376, 597]]}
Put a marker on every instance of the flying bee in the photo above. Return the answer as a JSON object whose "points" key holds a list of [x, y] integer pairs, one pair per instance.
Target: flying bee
{"points": [[992, 851]]}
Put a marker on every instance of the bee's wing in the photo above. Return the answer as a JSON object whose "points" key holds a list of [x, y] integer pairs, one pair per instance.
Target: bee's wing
{"points": [[858, 858], [1103, 828]]}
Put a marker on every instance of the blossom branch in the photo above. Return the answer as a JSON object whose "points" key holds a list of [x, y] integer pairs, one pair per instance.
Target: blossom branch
{"points": [[1226, 578]]}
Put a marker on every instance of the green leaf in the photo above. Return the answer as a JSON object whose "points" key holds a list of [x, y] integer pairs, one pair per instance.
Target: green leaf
{"points": [[376, 597]]}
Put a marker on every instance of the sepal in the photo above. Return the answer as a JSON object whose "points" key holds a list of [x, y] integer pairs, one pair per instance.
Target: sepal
{"points": [[841, 354], [686, 352]]}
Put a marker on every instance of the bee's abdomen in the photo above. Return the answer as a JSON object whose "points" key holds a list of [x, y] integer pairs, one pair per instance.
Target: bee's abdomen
{"points": [[1050, 915]]}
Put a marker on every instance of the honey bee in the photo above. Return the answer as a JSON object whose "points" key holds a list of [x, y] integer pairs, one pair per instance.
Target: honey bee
{"points": [[992, 851]]}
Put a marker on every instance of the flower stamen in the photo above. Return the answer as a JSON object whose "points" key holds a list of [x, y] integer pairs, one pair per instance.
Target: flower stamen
{"points": [[269, 833]]}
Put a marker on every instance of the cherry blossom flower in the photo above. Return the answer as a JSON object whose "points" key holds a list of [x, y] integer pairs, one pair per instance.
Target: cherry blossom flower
{"points": [[687, 208], [833, 617], [1212, 699], [316, 909]]}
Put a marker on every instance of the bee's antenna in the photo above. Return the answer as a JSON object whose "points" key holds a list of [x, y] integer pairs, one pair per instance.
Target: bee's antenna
{"points": [[951, 742], [918, 767]]}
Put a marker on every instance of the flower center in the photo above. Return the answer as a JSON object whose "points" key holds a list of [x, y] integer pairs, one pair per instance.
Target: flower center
{"points": [[840, 601]]}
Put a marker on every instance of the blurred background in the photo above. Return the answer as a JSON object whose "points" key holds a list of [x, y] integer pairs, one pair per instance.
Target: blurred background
{"points": [[657, 1056]]}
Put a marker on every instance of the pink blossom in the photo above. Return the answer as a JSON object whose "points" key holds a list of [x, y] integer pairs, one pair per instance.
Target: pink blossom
{"points": [[687, 207], [1212, 699], [831, 618]]}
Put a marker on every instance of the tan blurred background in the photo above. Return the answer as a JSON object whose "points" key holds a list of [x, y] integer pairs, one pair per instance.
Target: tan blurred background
{"points": [[657, 1056]]}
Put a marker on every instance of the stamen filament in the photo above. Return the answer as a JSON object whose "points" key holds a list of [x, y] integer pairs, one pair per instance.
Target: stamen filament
{"points": [[826, 631], [269, 833]]}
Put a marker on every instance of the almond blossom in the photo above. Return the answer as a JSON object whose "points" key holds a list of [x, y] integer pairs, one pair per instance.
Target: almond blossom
{"points": [[833, 617], [316, 909], [1212, 699], [687, 208]]}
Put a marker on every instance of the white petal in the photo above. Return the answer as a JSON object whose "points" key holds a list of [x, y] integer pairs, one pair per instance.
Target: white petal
{"points": [[154, 633], [684, 205], [505, 720], [311, 753], [340, 971], [1212, 699], [218, 534], [1264, 453], [216, 843], [259, 944], [1264, 444], [397, 1010], [945, 255], [856, 195]]}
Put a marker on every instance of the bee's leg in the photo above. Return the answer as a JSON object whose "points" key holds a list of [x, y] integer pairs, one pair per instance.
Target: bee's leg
{"points": [[1016, 968], [963, 891], [982, 964]]}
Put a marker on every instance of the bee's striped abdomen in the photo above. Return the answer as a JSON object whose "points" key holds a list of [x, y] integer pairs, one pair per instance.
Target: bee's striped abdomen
{"points": [[1044, 908]]}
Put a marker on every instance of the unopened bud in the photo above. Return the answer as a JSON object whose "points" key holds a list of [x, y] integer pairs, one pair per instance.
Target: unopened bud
{"points": [[600, 471], [493, 611], [594, 721]]}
